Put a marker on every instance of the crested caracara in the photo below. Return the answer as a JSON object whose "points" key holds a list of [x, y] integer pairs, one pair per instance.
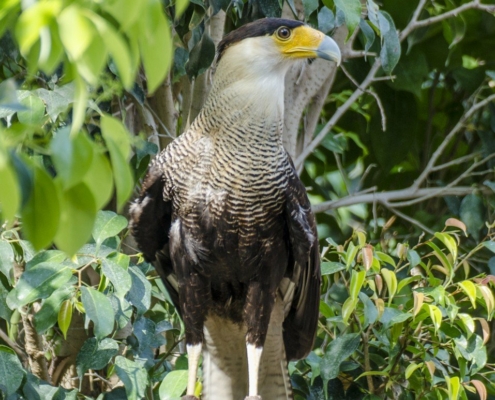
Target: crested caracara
{"points": [[228, 224]]}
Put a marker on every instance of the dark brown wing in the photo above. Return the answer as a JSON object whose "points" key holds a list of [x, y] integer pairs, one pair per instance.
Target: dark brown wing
{"points": [[150, 222], [302, 320]]}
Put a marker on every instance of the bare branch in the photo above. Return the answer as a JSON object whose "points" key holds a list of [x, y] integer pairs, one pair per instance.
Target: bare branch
{"points": [[339, 113], [415, 24], [411, 220], [386, 198], [457, 161], [377, 98], [13, 345], [429, 167]]}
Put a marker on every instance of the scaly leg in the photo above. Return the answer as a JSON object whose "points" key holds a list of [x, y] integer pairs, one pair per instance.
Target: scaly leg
{"points": [[253, 357], [193, 353]]}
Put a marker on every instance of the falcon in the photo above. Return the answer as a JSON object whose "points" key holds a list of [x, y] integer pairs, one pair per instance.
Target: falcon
{"points": [[228, 224]]}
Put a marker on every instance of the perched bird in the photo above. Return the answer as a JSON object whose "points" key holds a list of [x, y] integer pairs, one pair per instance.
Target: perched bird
{"points": [[228, 223]]}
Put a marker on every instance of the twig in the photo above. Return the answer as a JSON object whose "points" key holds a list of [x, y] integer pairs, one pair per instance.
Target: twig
{"points": [[411, 220], [339, 113], [422, 177], [377, 98], [394, 195], [452, 184], [437, 18], [13, 345], [457, 161]]}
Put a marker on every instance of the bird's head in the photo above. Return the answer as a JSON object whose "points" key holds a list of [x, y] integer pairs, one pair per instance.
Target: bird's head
{"points": [[273, 44]]}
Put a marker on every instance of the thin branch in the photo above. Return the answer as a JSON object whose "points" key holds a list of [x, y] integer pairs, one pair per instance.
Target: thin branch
{"points": [[377, 98], [457, 161], [415, 24], [386, 198], [411, 220], [339, 113], [452, 184], [13, 345], [429, 167]]}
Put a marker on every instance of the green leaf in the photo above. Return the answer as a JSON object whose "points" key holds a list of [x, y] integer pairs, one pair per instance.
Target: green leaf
{"points": [[120, 278], [99, 310], [140, 294], [357, 280], [72, 156], [331, 267], [47, 316], [35, 110], [442, 257], [411, 368], [453, 385], [336, 353], [38, 282], [41, 214], [352, 12], [449, 242], [10, 195], [370, 310], [76, 32], [31, 23], [435, 315], [385, 258], [117, 47], [472, 213], [309, 7], [180, 7], [155, 44], [57, 100], [469, 289], [107, 224], [413, 258], [326, 20], [99, 179], [490, 246], [391, 280], [173, 385], [78, 209], [65, 317], [347, 308], [134, 376], [11, 371], [269, 8], [368, 33], [372, 12], [391, 50], [5, 311], [201, 56], [6, 259], [95, 354]]}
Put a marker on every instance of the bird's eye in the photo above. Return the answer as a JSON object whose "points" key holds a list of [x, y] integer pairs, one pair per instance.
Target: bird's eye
{"points": [[283, 33]]}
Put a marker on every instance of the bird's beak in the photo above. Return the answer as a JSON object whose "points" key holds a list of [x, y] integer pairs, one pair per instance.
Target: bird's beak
{"points": [[307, 42], [329, 50]]}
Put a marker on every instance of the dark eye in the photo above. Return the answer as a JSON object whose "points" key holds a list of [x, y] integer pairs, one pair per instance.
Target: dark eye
{"points": [[283, 33]]}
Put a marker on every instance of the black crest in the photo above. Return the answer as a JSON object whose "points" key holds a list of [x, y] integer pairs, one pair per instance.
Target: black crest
{"points": [[260, 27]]}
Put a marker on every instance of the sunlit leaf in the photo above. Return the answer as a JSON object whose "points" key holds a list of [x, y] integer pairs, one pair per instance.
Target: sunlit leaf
{"points": [[487, 295], [10, 195], [411, 368], [65, 317], [449, 242], [418, 302], [357, 280], [76, 31], [391, 280], [468, 322], [469, 289]]}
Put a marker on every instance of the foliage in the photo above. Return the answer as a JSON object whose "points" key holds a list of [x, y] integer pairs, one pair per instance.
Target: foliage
{"points": [[86, 100]]}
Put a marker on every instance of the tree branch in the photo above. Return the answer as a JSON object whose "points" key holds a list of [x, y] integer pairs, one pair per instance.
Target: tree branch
{"points": [[429, 167], [339, 113], [386, 198], [415, 24]]}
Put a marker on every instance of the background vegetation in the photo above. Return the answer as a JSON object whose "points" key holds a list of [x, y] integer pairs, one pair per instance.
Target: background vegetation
{"points": [[396, 149]]}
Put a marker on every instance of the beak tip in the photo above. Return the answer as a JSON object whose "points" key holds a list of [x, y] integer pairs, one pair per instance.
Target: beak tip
{"points": [[329, 50]]}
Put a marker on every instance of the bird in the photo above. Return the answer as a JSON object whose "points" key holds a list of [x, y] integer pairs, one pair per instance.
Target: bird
{"points": [[227, 222]]}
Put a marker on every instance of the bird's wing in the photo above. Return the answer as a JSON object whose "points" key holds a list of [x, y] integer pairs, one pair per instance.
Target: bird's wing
{"points": [[304, 272], [150, 222]]}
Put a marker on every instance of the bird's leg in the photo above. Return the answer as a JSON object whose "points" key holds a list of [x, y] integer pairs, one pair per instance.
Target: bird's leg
{"points": [[253, 357], [257, 312], [193, 355]]}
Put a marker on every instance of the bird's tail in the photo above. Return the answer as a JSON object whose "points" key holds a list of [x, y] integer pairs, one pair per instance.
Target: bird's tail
{"points": [[225, 371]]}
